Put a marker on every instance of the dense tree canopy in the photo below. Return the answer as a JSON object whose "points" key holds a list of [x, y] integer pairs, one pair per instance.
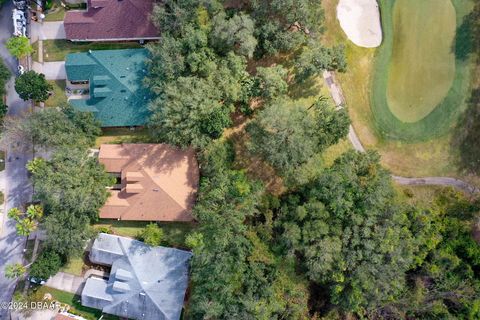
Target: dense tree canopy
{"points": [[283, 25], [234, 274], [286, 134], [52, 128], [353, 237], [315, 58], [32, 86], [71, 181]]}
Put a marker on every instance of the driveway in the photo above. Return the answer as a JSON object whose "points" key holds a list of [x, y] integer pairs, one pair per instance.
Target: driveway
{"points": [[47, 30], [17, 186], [52, 70], [66, 282]]}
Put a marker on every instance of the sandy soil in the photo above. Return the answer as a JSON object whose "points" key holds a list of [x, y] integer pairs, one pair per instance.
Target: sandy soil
{"points": [[360, 20]]}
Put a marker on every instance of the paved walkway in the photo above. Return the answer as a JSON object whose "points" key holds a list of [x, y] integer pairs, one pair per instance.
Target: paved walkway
{"points": [[338, 98], [66, 282], [52, 70]]}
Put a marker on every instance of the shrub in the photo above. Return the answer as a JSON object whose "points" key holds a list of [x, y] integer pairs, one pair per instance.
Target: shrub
{"points": [[152, 234], [46, 265]]}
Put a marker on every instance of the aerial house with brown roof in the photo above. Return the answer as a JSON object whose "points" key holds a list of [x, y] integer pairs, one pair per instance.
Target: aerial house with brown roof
{"points": [[111, 20], [155, 182]]}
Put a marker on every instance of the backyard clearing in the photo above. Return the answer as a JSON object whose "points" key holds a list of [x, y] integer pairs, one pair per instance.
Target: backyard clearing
{"points": [[360, 20], [422, 66]]}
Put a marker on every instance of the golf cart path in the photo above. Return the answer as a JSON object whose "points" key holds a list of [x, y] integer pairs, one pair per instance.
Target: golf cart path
{"points": [[337, 96]]}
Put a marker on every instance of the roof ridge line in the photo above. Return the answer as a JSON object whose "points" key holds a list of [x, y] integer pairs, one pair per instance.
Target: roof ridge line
{"points": [[149, 177], [90, 52]]}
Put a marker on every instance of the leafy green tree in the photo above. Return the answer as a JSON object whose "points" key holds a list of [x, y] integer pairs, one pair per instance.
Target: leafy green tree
{"points": [[189, 113], [19, 47], [46, 265], [3, 110], [152, 234], [233, 34], [283, 25], [72, 181], [173, 16], [33, 86], [4, 76], [271, 82], [14, 270], [287, 135], [67, 232], [315, 58], [355, 239], [444, 284], [234, 274], [52, 129]]}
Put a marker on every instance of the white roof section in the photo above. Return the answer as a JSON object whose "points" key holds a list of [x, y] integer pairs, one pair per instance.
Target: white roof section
{"points": [[145, 282]]}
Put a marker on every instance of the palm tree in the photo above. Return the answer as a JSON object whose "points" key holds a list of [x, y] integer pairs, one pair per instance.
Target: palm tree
{"points": [[25, 227], [15, 214], [35, 212], [14, 270]]}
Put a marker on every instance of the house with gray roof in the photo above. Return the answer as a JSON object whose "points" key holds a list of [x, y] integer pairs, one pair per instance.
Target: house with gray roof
{"points": [[147, 283], [114, 81]]}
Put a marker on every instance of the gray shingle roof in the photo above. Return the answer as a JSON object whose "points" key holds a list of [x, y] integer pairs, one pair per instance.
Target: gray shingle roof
{"points": [[145, 282]]}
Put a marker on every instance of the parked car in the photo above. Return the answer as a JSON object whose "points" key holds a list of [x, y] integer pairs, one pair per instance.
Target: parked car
{"points": [[19, 23], [20, 4]]}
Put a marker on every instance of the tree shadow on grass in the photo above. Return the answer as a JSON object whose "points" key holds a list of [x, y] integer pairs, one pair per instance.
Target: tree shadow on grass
{"points": [[467, 135], [467, 38]]}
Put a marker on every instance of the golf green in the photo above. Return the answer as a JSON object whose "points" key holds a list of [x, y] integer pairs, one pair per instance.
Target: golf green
{"points": [[419, 86], [422, 66]]}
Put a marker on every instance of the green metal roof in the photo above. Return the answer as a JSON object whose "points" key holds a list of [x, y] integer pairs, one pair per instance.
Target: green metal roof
{"points": [[117, 95]]}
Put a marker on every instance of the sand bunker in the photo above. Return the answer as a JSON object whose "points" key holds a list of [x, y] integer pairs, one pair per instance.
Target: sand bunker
{"points": [[360, 20]]}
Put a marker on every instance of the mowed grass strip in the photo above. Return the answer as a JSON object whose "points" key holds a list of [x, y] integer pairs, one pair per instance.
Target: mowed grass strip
{"points": [[57, 50], [441, 119], [422, 66]]}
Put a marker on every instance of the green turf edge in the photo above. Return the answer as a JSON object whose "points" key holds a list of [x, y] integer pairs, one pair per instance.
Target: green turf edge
{"points": [[444, 116]]}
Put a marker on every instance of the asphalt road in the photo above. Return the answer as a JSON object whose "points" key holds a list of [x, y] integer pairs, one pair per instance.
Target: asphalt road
{"points": [[18, 189]]}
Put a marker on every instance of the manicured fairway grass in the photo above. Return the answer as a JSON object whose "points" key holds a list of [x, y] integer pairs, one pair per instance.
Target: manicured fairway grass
{"points": [[443, 116], [422, 65], [434, 156]]}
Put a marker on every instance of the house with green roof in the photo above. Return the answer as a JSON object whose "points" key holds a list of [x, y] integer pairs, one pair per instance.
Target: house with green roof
{"points": [[114, 78]]}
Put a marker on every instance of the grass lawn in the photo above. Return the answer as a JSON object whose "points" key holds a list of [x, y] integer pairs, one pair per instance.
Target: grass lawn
{"points": [[435, 157], [422, 66], [122, 135], [58, 97], [74, 266], [56, 50], [37, 293], [174, 233]]}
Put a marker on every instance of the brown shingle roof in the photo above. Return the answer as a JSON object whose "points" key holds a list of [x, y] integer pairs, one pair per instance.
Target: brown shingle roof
{"points": [[110, 20], [159, 182]]}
